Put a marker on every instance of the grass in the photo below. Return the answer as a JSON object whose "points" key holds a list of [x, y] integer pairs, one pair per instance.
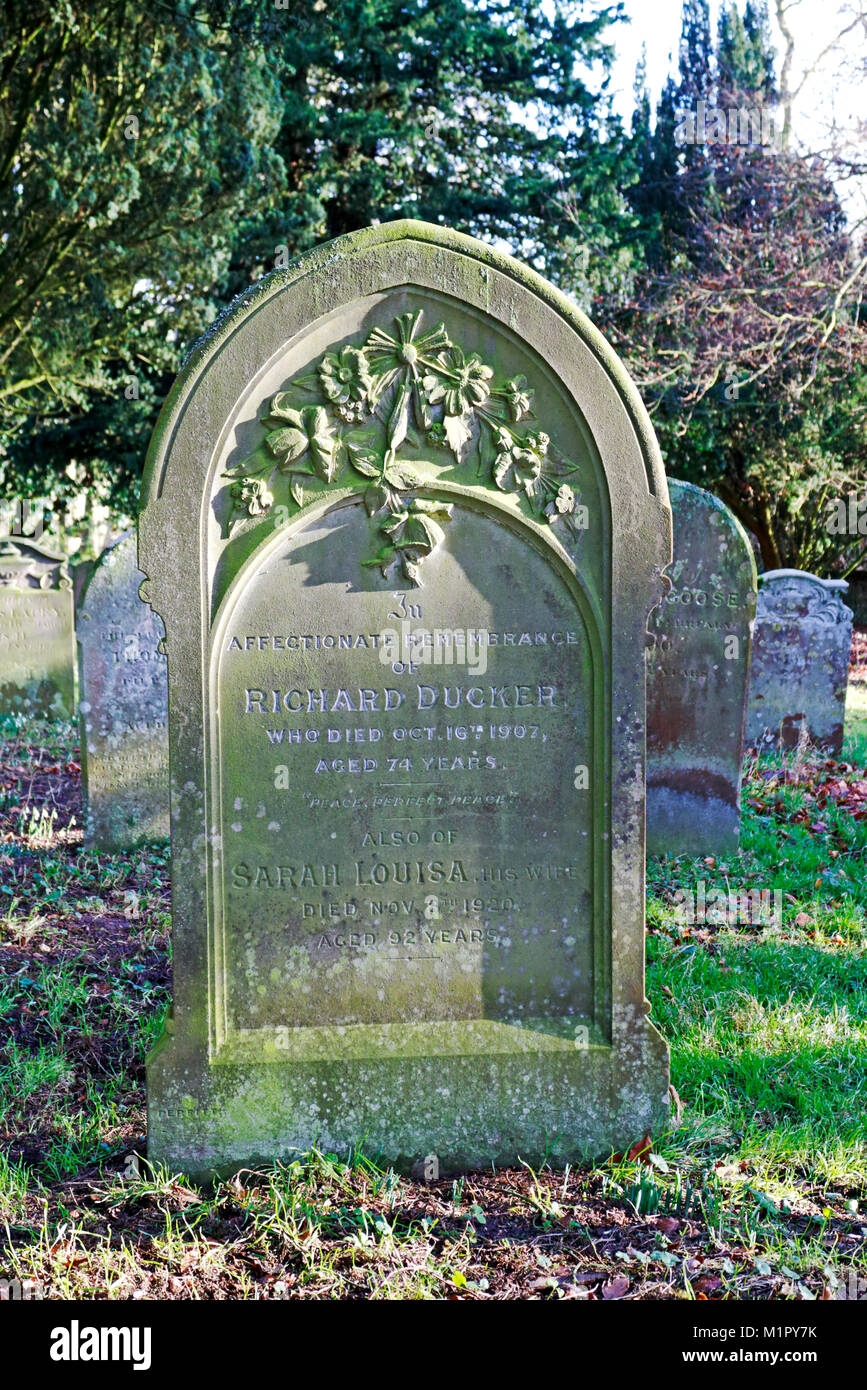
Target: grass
{"points": [[760, 1190], [855, 745]]}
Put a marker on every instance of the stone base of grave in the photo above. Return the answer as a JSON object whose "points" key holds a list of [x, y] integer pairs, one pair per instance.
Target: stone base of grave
{"points": [[520, 1095]]}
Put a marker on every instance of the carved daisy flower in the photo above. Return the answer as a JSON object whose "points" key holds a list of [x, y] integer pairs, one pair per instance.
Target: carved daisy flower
{"points": [[401, 355], [346, 380], [460, 382]]}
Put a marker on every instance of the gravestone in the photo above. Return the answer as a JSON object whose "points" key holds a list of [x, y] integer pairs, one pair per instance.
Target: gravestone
{"points": [[404, 518], [80, 574], [800, 665], [697, 680], [123, 706], [36, 631]]}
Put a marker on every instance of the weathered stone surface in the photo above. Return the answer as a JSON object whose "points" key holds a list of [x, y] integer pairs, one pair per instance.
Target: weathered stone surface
{"points": [[37, 674], [80, 574], [697, 680], [123, 706], [800, 664], [408, 892]]}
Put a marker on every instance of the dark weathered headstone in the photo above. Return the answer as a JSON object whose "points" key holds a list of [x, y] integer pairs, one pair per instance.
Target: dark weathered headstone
{"points": [[697, 680], [123, 706], [80, 573], [37, 674], [800, 665], [404, 518]]}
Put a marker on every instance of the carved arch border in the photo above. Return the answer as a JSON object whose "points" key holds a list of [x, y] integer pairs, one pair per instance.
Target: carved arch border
{"points": [[533, 534]]}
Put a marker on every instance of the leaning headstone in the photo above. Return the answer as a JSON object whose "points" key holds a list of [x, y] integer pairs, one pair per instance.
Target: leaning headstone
{"points": [[404, 518], [36, 631], [800, 665], [80, 572], [123, 706], [697, 679]]}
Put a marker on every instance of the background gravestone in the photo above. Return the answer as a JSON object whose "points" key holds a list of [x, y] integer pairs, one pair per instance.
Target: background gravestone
{"points": [[697, 680], [408, 897], [37, 675], [123, 706], [80, 573], [800, 665]]}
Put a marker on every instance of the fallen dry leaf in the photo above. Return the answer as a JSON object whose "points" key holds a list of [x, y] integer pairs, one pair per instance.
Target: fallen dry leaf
{"points": [[615, 1288]]}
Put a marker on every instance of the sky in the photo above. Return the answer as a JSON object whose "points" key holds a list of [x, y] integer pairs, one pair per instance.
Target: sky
{"points": [[832, 92]]}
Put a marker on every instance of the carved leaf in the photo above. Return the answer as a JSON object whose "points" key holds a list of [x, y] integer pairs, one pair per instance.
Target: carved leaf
{"points": [[375, 498], [398, 421], [422, 534], [323, 441], [502, 465], [421, 409], [287, 445], [397, 522], [401, 475], [281, 409], [458, 434], [384, 559], [415, 532], [258, 462], [431, 508], [487, 452], [364, 461]]}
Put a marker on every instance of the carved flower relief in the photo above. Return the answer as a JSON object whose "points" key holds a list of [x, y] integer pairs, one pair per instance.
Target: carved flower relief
{"points": [[401, 357], [304, 431], [519, 462], [518, 397], [405, 351], [347, 382], [406, 388], [566, 507], [413, 534], [563, 503], [251, 496], [461, 382]]}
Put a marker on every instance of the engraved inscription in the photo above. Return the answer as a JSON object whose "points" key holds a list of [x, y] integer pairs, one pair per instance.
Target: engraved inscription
{"points": [[401, 845]]}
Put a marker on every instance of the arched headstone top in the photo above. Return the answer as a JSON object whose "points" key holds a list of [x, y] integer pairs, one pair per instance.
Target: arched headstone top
{"points": [[788, 593], [36, 630], [463, 367], [120, 551], [800, 664], [26, 565]]}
